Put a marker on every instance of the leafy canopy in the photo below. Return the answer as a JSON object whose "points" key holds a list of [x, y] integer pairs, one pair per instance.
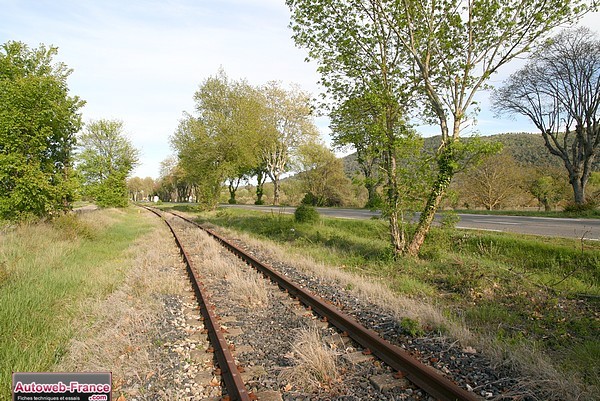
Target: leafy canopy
{"points": [[38, 123], [106, 158]]}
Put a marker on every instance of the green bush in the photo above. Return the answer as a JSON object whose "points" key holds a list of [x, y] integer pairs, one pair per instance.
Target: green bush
{"points": [[306, 214]]}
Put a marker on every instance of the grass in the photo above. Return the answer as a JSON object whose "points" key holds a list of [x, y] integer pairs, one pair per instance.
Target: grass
{"points": [[542, 294], [46, 270], [315, 363]]}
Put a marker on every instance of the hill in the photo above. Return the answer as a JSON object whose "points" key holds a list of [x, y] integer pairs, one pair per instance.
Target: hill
{"points": [[527, 149]]}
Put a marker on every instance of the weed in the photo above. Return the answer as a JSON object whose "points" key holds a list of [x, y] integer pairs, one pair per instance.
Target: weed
{"points": [[73, 227], [315, 363], [412, 327], [306, 214]]}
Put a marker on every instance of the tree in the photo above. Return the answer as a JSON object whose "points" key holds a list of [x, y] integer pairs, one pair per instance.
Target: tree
{"points": [[140, 188], [495, 181], [223, 141], [445, 50], [260, 172], [322, 175], [173, 184], [559, 91], [354, 123], [548, 187], [361, 68], [38, 124], [106, 158], [289, 124]]}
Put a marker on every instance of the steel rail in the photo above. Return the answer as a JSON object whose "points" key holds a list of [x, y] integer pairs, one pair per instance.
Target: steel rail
{"points": [[423, 376], [236, 389]]}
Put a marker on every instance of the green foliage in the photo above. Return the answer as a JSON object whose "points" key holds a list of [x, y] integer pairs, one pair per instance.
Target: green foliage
{"points": [[105, 160], [581, 208], [38, 122], [322, 176], [422, 56], [306, 214], [412, 327], [112, 192]]}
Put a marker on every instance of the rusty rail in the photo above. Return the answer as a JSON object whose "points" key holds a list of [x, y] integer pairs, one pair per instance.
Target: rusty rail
{"points": [[236, 389], [423, 376]]}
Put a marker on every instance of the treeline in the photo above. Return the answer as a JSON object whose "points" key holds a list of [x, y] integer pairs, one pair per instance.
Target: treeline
{"points": [[48, 157], [240, 133], [523, 175]]}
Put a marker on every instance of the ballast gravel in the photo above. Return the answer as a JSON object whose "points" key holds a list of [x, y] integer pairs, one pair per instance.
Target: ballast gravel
{"points": [[262, 341], [470, 369]]}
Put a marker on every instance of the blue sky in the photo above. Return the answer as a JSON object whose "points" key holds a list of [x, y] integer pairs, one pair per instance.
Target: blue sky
{"points": [[142, 61]]}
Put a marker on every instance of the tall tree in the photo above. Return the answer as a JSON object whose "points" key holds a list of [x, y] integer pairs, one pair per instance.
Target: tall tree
{"points": [[222, 141], [446, 49], [559, 91], [106, 159], [288, 125], [361, 65], [38, 125]]}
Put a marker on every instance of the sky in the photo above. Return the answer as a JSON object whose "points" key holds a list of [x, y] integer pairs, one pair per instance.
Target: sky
{"points": [[141, 61]]}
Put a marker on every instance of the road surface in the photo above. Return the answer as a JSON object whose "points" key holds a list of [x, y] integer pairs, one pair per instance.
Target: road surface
{"points": [[544, 226]]}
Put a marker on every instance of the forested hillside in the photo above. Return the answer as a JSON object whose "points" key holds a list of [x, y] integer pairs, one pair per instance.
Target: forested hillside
{"points": [[527, 149]]}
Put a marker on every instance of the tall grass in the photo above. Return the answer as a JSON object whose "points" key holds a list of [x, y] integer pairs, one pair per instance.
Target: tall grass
{"points": [[46, 269]]}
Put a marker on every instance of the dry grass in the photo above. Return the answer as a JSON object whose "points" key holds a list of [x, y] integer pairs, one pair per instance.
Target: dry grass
{"points": [[539, 377], [316, 363], [248, 287], [210, 258], [364, 288], [122, 326]]}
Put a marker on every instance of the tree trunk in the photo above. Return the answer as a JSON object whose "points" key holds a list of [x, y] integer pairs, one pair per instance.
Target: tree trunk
{"points": [[446, 172], [260, 178], [371, 186], [578, 190], [276, 192], [232, 190], [546, 204], [396, 233]]}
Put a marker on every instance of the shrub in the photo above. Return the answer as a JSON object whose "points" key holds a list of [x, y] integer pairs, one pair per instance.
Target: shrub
{"points": [[586, 207], [306, 214]]}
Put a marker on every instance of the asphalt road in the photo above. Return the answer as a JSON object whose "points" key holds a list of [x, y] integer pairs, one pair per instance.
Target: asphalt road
{"points": [[544, 226]]}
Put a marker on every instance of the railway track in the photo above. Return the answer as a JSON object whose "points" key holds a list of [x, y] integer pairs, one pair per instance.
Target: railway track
{"points": [[436, 385]]}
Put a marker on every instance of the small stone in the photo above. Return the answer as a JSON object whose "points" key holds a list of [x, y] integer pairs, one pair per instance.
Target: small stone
{"points": [[337, 341], [269, 395], [233, 331], [387, 382], [253, 373], [357, 357], [203, 378]]}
